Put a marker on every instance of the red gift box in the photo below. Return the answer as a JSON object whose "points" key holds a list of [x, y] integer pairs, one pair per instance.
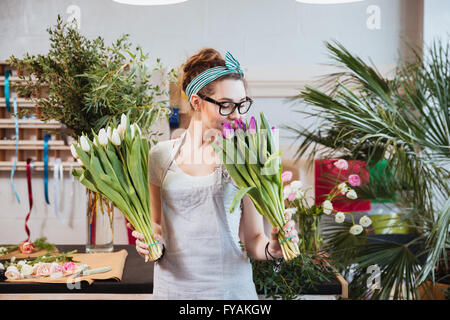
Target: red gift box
{"points": [[327, 175]]}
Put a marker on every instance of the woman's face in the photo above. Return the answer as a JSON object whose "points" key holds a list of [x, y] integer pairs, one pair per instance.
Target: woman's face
{"points": [[228, 90]]}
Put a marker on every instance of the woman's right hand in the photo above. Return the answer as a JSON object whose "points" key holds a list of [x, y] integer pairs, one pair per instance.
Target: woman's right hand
{"points": [[141, 246]]}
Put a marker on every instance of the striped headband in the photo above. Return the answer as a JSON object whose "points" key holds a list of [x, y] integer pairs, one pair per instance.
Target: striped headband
{"points": [[207, 76]]}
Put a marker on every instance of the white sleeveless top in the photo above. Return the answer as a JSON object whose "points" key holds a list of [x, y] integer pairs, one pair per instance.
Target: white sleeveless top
{"points": [[203, 258]]}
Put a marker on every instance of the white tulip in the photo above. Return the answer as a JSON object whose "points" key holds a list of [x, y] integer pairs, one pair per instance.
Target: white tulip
{"points": [[103, 137], [352, 194], [109, 133], [356, 229], [85, 144], [121, 130], [115, 139], [74, 151], [133, 129], [365, 221], [80, 162], [340, 217], [138, 129], [123, 120]]}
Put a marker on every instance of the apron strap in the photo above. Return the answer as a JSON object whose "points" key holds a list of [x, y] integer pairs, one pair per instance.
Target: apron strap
{"points": [[177, 144]]}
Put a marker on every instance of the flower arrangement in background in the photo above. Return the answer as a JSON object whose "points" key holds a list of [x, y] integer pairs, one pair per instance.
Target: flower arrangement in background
{"points": [[308, 216], [115, 165]]}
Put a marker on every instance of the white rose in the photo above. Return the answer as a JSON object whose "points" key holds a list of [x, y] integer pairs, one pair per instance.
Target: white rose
{"points": [[290, 211], [327, 207], [356, 229], [85, 144], [26, 270], [287, 191], [340, 217], [365, 221], [352, 194], [343, 188], [12, 273], [21, 263], [296, 184]]}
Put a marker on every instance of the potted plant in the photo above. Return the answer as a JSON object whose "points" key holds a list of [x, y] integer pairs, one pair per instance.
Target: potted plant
{"points": [[87, 86], [403, 122]]}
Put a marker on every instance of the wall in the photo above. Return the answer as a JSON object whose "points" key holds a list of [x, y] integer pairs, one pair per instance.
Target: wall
{"points": [[280, 43]]}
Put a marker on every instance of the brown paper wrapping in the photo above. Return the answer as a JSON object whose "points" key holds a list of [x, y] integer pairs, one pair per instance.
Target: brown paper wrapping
{"points": [[115, 260], [20, 255]]}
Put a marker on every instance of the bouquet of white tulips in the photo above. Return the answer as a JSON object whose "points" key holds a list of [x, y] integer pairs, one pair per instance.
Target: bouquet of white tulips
{"points": [[115, 164], [252, 159]]}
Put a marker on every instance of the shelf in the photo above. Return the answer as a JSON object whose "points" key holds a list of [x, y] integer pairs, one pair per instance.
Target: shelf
{"points": [[15, 79], [37, 165], [33, 145], [29, 124], [21, 103]]}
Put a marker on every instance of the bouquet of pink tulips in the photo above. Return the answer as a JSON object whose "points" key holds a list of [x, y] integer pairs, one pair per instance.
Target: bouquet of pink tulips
{"points": [[253, 160], [115, 165]]}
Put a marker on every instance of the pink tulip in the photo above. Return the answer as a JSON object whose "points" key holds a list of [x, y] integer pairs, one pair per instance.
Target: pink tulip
{"points": [[354, 180], [242, 125], [286, 176], [227, 131], [252, 125], [341, 164]]}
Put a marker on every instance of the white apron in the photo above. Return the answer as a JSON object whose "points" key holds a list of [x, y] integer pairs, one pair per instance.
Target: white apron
{"points": [[203, 259]]}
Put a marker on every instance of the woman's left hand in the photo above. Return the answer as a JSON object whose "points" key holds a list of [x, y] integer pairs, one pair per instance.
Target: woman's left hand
{"points": [[290, 231]]}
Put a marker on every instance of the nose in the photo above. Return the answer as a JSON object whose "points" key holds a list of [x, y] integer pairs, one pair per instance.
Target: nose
{"points": [[234, 115]]}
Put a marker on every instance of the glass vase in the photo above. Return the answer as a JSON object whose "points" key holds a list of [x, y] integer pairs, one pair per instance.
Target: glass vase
{"points": [[100, 227]]}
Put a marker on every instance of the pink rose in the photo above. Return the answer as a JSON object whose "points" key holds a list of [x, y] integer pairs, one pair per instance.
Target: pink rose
{"points": [[26, 247], [354, 180], [292, 196], [341, 164], [43, 270], [286, 176], [55, 268], [69, 266]]}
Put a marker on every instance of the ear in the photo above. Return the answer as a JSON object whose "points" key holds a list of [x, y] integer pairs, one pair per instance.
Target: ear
{"points": [[195, 102]]}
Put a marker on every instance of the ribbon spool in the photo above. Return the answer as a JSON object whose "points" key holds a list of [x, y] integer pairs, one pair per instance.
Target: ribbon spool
{"points": [[6, 88], [30, 196], [58, 176], [46, 138], [16, 123]]}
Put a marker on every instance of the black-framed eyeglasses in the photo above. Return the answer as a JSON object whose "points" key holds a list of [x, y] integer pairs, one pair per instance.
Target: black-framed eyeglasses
{"points": [[226, 108]]}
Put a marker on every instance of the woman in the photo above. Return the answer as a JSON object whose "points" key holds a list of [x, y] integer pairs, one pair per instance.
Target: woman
{"points": [[191, 193]]}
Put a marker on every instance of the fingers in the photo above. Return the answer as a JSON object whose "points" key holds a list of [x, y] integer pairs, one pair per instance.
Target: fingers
{"points": [[274, 233], [137, 235], [142, 248], [289, 225]]}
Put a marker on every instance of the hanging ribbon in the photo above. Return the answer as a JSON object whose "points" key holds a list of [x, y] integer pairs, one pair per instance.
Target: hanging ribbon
{"points": [[58, 177], [16, 122], [30, 197], [7, 74], [46, 138]]}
